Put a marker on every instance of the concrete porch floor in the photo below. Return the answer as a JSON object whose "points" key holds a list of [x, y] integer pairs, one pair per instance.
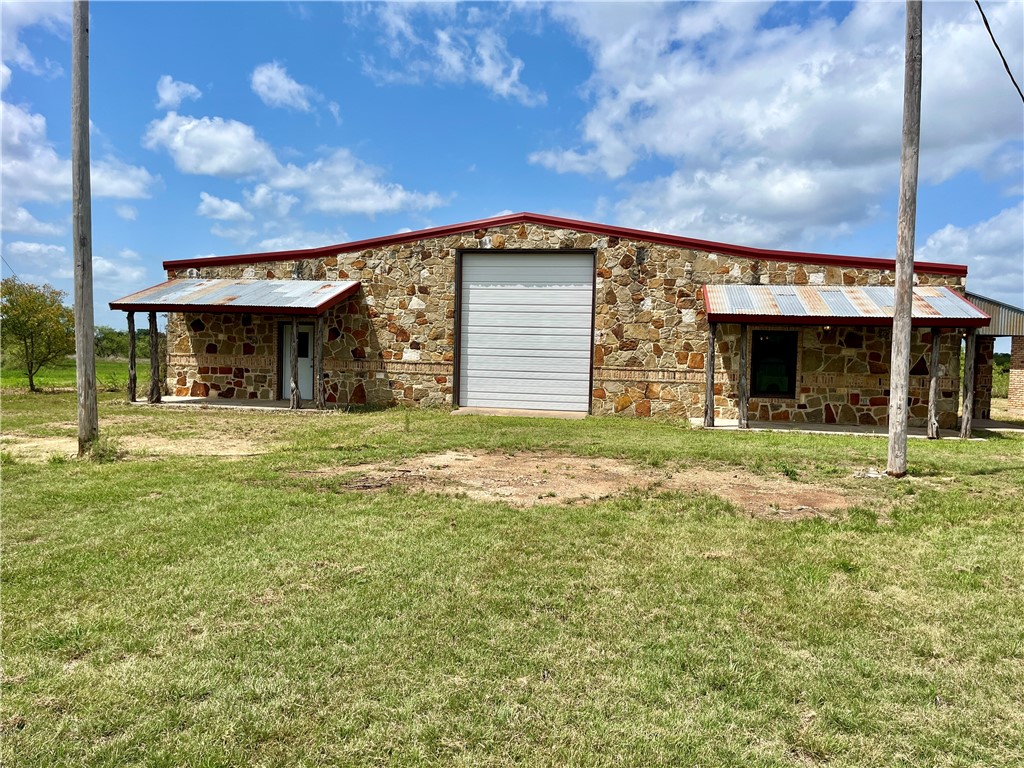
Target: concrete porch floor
{"points": [[980, 425]]}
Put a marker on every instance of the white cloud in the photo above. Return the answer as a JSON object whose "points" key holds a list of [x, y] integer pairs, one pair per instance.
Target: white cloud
{"points": [[301, 238], [113, 178], [240, 234], [276, 89], [118, 274], [52, 260], [466, 51], [223, 210], [17, 220], [269, 202], [5, 77], [775, 129], [14, 17], [31, 168], [31, 171], [171, 92], [993, 250], [335, 111], [210, 146], [341, 183], [757, 201], [126, 212]]}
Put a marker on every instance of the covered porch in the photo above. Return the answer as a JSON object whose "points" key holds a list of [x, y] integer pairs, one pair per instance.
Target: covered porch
{"points": [[802, 352], [290, 316]]}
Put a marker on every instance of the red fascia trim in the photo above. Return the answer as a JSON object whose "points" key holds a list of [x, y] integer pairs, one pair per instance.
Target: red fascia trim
{"points": [[235, 309], [917, 322], [928, 267]]}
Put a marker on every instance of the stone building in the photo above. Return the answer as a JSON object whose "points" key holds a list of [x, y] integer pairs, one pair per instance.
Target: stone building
{"points": [[541, 313]]}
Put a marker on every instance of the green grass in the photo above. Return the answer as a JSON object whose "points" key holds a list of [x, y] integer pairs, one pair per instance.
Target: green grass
{"points": [[211, 611], [110, 375]]}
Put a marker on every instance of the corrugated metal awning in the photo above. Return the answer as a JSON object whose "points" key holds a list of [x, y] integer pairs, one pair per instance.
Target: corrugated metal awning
{"points": [[267, 297], [837, 305], [1007, 320]]}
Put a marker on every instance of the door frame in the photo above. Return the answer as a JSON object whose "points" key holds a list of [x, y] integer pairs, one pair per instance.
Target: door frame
{"points": [[283, 355], [460, 252]]}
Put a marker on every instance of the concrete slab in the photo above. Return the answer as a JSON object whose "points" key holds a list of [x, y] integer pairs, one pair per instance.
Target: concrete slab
{"points": [[569, 415], [223, 402], [916, 433]]}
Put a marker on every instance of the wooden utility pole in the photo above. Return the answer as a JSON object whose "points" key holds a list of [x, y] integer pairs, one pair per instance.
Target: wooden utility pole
{"points": [[899, 371], [81, 225]]}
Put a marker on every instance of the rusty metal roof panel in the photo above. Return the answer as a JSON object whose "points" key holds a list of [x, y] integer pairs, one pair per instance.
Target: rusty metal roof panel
{"points": [[296, 297], [837, 305]]}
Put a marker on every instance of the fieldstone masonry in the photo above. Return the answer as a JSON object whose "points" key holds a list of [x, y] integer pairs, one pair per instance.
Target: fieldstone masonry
{"points": [[394, 342]]}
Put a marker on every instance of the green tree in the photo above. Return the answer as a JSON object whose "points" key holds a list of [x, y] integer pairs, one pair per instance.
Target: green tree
{"points": [[111, 342], [37, 328]]}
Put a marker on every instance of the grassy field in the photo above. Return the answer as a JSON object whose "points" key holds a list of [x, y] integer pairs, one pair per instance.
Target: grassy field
{"points": [[111, 375], [182, 606]]}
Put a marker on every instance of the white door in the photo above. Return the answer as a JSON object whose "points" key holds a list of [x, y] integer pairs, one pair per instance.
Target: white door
{"points": [[526, 332], [305, 343]]}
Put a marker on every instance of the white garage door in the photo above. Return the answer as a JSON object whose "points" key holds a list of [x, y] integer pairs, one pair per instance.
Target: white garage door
{"points": [[526, 331]]}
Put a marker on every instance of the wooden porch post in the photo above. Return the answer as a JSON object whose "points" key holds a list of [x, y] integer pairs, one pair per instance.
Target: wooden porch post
{"points": [[319, 396], [133, 379], [742, 378], [709, 379], [969, 352], [296, 396], [154, 360], [933, 387]]}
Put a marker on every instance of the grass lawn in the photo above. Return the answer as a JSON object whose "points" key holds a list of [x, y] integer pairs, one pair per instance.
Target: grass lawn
{"points": [[111, 375], [189, 608]]}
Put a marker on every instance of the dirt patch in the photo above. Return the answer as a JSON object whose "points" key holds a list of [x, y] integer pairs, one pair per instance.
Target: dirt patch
{"points": [[527, 479], [37, 449]]}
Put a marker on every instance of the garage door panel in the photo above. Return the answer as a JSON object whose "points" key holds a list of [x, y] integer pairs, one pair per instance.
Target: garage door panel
{"points": [[499, 364], [553, 343], [526, 331], [530, 404], [547, 385], [539, 321], [502, 365], [524, 296]]}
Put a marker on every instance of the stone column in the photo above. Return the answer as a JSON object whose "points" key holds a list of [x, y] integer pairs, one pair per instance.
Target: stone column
{"points": [[1017, 373]]}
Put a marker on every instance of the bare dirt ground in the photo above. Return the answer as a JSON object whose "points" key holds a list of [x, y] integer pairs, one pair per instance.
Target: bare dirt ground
{"points": [[523, 479], [527, 479], [40, 449]]}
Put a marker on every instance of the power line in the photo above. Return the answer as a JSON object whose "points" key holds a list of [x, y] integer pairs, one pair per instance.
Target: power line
{"points": [[13, 273], [1000, 50]]}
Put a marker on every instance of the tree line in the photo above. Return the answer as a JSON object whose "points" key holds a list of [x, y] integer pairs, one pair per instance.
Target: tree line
{"points": [[39, 329]]}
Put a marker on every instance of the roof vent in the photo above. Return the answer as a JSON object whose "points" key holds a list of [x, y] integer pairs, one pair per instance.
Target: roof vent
{"points": [[193, 273]]}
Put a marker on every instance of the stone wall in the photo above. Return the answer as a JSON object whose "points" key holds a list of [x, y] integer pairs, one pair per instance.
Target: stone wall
{"points": [[395, 341]]}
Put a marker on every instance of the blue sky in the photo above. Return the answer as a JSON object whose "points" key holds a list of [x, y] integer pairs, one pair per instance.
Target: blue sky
{"points": [[223, 128]]}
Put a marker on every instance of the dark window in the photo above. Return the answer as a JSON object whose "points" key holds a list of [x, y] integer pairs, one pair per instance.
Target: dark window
{"points": [[304, 344], [773, 364]]}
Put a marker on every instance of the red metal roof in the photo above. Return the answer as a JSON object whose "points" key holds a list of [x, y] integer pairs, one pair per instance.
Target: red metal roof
{"points": [[933, 306], [560, 223], [276, 297]]}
